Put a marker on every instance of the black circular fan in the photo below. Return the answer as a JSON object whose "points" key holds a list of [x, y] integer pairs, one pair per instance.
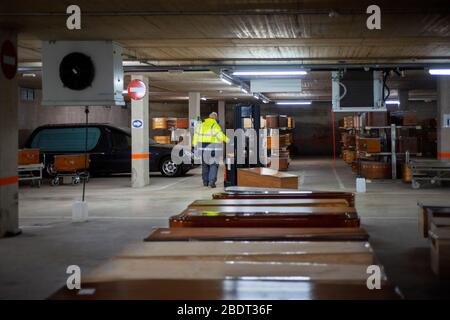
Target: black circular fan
{"points": [[76, 71]]}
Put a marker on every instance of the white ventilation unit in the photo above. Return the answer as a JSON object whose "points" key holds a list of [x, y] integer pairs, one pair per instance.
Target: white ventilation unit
{"points": [[82, 73], [357, 91]]}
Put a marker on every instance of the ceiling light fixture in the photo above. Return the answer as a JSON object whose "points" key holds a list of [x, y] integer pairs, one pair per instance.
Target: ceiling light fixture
{"points": [[244, 90], [226, 81], [294, 102], [29, 75], [271, 73], [439, 72], [203, 98], [390, 102]]}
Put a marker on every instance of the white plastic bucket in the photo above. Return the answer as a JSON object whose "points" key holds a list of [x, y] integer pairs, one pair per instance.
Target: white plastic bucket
{"points": [[80, 211]]}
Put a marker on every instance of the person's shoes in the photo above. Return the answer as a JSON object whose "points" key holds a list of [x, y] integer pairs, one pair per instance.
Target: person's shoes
{"points": [[212, 185], [205, 184]]}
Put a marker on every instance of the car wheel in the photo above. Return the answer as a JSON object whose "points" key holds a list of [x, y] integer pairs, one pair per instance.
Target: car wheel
{"points": [[169, 169]]}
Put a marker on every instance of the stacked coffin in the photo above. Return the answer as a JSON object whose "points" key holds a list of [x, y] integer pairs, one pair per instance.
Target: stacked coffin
{"points": [[285, 244], [278, 144], [434, 224]]}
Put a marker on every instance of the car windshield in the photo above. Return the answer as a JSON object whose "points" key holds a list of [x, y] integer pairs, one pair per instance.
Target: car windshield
{"points": [[72, 139]]}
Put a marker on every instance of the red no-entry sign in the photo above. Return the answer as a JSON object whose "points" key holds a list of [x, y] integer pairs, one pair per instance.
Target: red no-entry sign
{"points": [[8, 58], [137, 89]]}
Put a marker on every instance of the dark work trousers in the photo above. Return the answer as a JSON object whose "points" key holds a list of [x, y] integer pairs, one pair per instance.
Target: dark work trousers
{"points": [[209, 165]]}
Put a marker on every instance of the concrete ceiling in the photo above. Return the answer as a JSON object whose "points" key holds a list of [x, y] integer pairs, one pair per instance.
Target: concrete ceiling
{"points": [[235, 32]]}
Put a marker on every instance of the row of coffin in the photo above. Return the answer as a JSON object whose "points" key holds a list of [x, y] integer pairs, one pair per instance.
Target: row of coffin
{"points": [[434, 224], [247, 245]]}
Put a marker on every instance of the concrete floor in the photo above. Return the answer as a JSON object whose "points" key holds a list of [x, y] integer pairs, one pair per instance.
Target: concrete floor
{"points": [[33, 265]]}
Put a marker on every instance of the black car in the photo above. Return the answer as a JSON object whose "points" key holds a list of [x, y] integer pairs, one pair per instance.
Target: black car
{"points": [[109, 148]]}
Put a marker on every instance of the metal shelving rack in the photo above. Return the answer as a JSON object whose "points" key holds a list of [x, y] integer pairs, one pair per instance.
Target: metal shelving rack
{"points": [[393, 136]]}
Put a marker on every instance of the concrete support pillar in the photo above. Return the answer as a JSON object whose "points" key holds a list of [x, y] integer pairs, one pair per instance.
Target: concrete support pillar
{"points": [[221, 113], [194, 106], [140, 176], [9, 215], [403, 97], [443, 121]]}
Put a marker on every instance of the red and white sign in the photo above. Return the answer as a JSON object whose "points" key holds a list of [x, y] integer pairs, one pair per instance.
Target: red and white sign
{"points": [[137, 89], [8, 58]]}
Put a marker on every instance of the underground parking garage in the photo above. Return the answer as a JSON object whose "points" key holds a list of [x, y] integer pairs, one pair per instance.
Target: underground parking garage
{"points": [[239, 150]]}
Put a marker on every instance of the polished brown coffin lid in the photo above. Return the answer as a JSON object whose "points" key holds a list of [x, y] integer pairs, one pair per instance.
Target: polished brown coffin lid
{"points": [[267, 211], [285, 194], [258, 234], [272, 202], [224, 290]]}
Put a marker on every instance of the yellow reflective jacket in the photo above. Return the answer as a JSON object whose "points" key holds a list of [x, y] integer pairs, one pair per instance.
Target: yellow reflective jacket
{"points": [[209, 132]]}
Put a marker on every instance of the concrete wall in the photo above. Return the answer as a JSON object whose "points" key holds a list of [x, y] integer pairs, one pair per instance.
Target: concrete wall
{"points": [[32, 115]]}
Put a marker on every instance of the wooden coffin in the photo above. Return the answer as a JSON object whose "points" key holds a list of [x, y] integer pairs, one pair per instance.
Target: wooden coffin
{"points": [[283, 141], [182, 123], [375, 119], [286, 194], [338, 252], [272, 121], [290, 122], [349, 156], [258, 234], [171, 123], [375, 170], [162, 139], [428, 214], [440, 251], [28, 156], [182, 289], [370, 145], [270, 203], [407, 144], [283, 121], [404, 118], [70, 162], [266, 178], [283, 163], [348, 139], [406, 173], [159, 123], [139, 268], [266, 217]]}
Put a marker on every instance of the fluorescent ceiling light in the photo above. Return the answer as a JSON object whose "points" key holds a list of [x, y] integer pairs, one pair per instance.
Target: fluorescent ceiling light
{"points": [[294, 102], [271, 73], [440, 72], [244, 90], [397, 102], [226, 81], [256, 96], [29, 75], [203, 98], [265, 101]]}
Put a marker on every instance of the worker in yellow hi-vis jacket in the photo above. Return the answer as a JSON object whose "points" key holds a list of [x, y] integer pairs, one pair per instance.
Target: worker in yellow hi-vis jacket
{"points": [[209, 139]]}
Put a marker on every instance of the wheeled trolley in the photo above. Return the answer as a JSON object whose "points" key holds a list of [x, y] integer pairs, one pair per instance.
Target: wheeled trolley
{"points": [[29, 166], [71, 167], [429, 171]]}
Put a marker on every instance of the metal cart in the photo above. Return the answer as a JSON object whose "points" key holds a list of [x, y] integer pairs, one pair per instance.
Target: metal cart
{"points": [[31, 172], [30, 166], [429, 171], [72, 167]]}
